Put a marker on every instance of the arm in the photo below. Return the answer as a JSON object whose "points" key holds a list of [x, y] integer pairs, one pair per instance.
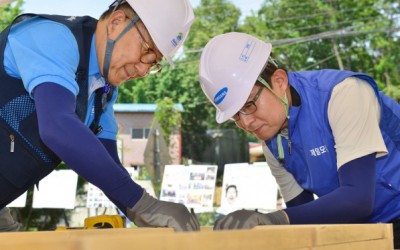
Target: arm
{"points": [[62, 131], [352, 202], [304, 197], [111, 147]]}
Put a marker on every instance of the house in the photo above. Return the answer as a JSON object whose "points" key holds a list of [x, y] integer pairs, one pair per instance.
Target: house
{"points": [[135, 122]]}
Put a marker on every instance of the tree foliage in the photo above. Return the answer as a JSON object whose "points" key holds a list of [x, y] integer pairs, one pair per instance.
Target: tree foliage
{"points": [[352, 35], [168, 117], [306, 35], [9, 12]]}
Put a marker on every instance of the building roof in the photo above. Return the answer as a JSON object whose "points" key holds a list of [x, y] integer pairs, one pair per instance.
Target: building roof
{"points": [[141, 107]]}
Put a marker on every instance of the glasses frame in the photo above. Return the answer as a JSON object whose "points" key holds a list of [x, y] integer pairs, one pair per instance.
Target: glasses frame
{"points": [[156, 66], [236, 117]]}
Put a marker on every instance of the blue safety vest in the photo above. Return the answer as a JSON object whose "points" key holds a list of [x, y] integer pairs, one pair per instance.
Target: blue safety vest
{"points": [[311, 157], [24, 159]]}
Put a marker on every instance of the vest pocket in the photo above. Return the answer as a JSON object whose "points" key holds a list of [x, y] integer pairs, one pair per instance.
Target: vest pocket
{"points": [[18, 164]]}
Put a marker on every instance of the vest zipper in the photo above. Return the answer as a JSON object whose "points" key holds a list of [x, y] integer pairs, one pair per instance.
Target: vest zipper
{"points": [[12, 143]]}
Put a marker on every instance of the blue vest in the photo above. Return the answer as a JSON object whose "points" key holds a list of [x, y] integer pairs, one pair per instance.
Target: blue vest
{"points": [[312, 158], [24, 158]]}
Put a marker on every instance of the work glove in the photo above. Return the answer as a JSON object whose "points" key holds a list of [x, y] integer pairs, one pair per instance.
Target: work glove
{"points": [[244, 219], [151, 212], [7, 223]]}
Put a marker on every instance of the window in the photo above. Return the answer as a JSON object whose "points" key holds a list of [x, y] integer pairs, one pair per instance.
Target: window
{"points": [[140, 133]]}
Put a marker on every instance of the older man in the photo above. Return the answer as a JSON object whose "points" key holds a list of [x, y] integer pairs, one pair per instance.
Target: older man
{"points": [[60, 77]]}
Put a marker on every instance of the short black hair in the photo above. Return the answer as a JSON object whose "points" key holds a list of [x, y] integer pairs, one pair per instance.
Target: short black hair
{"points": [[270, 68], [231, 186]]}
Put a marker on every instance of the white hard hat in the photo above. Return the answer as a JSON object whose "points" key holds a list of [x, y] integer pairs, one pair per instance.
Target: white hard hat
{"points": [[229, 66], [4, 2], [168, 22]]}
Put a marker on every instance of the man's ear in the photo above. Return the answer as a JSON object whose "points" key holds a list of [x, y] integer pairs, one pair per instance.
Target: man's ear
{"points": [[115, 20], [279, 80]]}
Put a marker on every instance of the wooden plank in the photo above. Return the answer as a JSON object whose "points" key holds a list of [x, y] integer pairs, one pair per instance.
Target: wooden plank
{"points": [[206, 228], [40, 244], [332, 234], [68, 234], [271, 238], [316, 237], [66, 239], [359, 245]]}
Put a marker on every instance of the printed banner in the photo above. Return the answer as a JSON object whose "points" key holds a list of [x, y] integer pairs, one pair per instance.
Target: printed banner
{"points": [[248, 186], [192, 185]]}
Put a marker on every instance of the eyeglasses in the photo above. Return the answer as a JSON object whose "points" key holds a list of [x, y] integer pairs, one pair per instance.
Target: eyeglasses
{"points": [[249, 107], [149, 56]]}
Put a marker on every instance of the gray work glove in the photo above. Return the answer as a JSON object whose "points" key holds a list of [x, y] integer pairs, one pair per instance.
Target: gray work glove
{"points": [[244, 219], [7, 223], [151, 212]]}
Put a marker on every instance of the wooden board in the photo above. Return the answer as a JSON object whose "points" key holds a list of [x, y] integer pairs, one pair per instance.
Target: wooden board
{"points": [[299, 237]]}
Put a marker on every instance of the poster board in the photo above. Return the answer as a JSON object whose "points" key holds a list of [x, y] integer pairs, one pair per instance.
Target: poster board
{"points": [[248, 186], [192, 186], [96, 198], [57, 190]]}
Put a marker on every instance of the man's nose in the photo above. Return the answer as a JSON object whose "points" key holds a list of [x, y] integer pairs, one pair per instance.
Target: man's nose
{"points": [[142, 69], [247, 120]]}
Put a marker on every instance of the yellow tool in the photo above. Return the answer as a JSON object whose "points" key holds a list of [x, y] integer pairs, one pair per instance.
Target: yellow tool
{"points": [[99, 222], [105, 221]]}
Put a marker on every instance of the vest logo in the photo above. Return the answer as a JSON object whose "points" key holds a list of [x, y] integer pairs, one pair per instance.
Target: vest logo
{"points": [[319, 151], [220, 96]]}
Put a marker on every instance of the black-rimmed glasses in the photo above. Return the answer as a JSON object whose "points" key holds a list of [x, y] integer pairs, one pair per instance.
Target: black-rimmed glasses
{"points": [[249, 107]]}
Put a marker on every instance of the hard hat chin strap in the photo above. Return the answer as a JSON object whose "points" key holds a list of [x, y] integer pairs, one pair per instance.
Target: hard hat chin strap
{"points": [[285, 103], [110, 46], [283, 100]]}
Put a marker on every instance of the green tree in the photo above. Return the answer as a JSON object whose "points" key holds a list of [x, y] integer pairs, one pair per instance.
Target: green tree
{"points": [[9, 12], [353, 35], [168, 116]]}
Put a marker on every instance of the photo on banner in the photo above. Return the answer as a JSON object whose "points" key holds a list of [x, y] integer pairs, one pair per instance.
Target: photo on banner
{"points": [[248, 186], [192, 186]]}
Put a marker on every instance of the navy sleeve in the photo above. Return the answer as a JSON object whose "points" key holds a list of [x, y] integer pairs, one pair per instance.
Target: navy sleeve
{"points": [[63, 132], [111, 147], [304, 197], [352, 202]]}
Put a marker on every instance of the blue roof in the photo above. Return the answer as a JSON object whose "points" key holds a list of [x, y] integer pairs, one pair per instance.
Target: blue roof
{"points": [[140, 107]]}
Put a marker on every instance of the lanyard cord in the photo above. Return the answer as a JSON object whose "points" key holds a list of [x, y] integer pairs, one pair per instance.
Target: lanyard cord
{"points": [[285, 103]]}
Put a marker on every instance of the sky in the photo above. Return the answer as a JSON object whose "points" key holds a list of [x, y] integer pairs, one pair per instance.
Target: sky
{"points": [[86, 7]]}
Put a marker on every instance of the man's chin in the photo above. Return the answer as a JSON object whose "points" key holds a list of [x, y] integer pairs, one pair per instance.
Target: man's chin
{"points": [[263, 137]]}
